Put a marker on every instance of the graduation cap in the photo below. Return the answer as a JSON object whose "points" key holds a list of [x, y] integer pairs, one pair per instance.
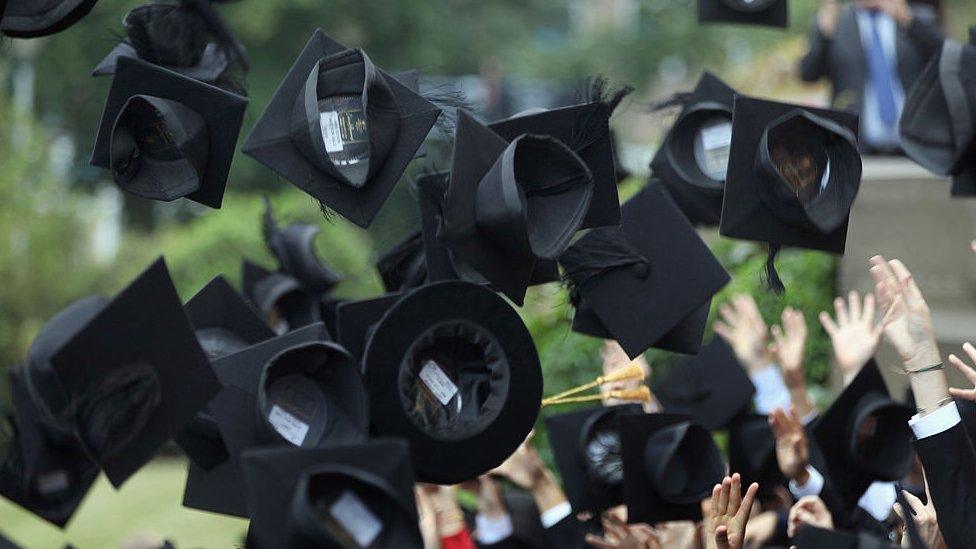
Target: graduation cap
{"points": [[403, 266], [585, 128], [670, 464], [224, 324], [281, 299], [35, 18], [165, 136], [586, 446], [341, 129], [294, 248], [4, 542], [45, 470], [510, 205], [188, 37], [792, 177], [713, 387], [452, 368], [213, 481], [865, 436], [772, 13], [356, 320], [938, 123], [343, 496], [693, 158], [131, 381], [654, 262]]}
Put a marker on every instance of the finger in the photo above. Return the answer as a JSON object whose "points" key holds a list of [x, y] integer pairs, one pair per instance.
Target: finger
{"points": [[917, 505], [798, 322], [899, 511], [722, 537], [722, 330], [970, 350], [728, 314], [828, 323], [840, 309], [965, 394], [598, 542], [723, 497], [747, 501], [778, 336], [716, 496], [904, 275], [963, 368], [735, 497], [868, 310], [887, 276], [854, 304]]}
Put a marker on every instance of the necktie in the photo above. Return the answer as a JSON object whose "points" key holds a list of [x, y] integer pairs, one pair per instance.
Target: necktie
{"points": [[880, 73]]}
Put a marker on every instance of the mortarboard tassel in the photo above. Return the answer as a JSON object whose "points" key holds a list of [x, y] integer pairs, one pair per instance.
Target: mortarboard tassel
{"points": [[605, 249], [108, 417], [589, 130], [639, 394], [269, 226], [632, 371], [773, 281]]}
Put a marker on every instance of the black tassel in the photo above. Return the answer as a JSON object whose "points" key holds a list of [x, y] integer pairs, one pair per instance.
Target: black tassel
{"points": [[449, 99], [773, 281], [269, 226], [677, 100], [589, 129], [110, 415], [602, 249]]}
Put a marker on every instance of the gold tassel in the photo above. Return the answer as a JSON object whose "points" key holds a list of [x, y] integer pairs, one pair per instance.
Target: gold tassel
{"points": [[639, 394], [631, 371]]}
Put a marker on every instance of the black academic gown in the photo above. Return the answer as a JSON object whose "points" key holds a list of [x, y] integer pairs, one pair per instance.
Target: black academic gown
{"points": [[950, 467]]}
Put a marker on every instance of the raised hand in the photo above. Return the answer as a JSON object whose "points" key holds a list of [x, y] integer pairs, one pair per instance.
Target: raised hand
{"points": [[905, 317], [619, 535], [789, 343], [809, 510], [792, 452], [614, 358], [925, 520], [854, 335], [966, 370], [743, 328], [827, 17], [730, 512], [524, 467]]}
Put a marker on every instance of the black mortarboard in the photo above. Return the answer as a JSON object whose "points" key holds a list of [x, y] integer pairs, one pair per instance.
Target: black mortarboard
{"points": [[166, 136], [341, 129], [713, 387], [403, 266], [343, 496], [938, 124], [864, 436], [132, 380], [585, 128], [294, 248], [693, 158], [510, 205], [4, 542], [586, 446], [813, 537], [281, 299], [45, 470], [772, 13], [431, 188], [648, 282], [793, 175], [216, 487], [188, 37], [356, 320], [670, 466], [224, 324], [752, 452], [35, 18], [452, 368]]}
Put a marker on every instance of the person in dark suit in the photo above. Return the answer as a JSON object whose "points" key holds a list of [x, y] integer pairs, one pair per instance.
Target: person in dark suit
{"points": [[872, 51]]}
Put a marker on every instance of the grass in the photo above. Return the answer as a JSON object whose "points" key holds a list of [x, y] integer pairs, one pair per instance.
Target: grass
{"points": [[147, 506]]}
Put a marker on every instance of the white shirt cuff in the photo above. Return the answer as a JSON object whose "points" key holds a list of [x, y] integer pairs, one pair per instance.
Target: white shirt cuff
{"points": [[878, 499], [771, 390], [551, 516], [491, 530], [941, 420], [813, 487], [810, 417]]}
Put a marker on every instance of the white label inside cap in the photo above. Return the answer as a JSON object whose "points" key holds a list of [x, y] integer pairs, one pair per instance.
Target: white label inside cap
{"points": [[54, 481], [437, 381], [717, 136], [331, 134], [293, 429], [357, 519]]}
